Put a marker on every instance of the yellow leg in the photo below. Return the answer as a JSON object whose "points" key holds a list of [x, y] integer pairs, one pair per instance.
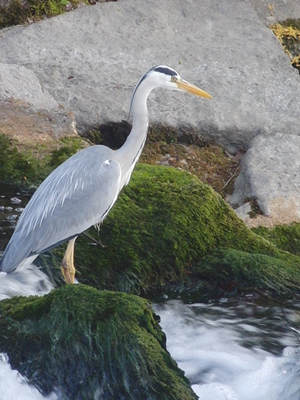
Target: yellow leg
{"points": [[67, 266]]}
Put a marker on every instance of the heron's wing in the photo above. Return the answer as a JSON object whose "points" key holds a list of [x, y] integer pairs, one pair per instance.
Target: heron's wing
{"points": [[75, 196]]}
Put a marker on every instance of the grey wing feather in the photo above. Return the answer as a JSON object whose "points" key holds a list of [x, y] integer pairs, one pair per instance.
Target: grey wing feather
{"points": [[75, 196]]}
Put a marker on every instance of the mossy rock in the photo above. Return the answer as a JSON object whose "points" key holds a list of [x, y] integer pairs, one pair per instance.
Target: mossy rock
{"points": [[234, 271], [159, 230], [284, 237], [86, 344], [162, 225], [15, 166], [30, 166]]}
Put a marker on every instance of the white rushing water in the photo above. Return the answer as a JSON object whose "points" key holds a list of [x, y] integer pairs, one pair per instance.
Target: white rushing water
{"points": [[240, 352], [25, 282], [237, 351], [14, 386]]}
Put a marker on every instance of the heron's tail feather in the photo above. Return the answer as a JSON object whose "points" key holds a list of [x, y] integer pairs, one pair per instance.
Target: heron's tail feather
{"points": [[17, 253]]}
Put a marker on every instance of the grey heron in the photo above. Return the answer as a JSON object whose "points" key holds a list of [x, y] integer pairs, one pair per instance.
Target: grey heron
{"points": [[81, 191]]}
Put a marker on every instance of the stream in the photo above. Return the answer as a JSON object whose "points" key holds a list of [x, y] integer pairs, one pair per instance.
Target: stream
{"points": [[230, 349], [235, 350]]}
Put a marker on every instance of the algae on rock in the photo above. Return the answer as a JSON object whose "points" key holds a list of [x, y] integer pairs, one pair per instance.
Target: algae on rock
{"points": [[30, 165], [284, 237], [235, 270], [159, 230], [162, 226], [15, 166], [83, 343]]}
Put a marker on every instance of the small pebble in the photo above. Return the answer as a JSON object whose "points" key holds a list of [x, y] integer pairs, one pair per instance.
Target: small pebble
{"points": [[12, 217], [15, 200]]}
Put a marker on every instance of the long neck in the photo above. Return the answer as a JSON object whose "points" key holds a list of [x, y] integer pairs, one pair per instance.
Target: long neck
{"points": [[131, 150]]}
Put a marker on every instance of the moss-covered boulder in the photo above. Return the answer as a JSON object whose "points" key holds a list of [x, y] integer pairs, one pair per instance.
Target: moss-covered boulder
{"points": [[160, 232], [284, 237], [231, 270], [86, 344]]}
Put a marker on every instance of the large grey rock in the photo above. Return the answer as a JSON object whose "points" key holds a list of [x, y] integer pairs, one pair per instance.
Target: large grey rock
{"points": [[20, 83], [28, 112], [270, 174], [23, 122], [89, 61], [276, 10]]}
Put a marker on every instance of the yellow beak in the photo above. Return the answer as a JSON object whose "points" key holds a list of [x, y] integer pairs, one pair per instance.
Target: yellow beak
{"points": [[187, 87]]}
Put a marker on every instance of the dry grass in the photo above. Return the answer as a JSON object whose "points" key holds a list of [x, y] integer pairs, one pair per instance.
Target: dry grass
{"points": [[210, 163]]}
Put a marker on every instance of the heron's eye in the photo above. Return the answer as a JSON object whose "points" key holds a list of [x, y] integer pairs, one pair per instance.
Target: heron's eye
{"points": [[174, 79]]}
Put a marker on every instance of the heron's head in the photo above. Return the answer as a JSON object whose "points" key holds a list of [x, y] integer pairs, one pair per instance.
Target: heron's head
{"points": [[168, 78], [164, 77]]}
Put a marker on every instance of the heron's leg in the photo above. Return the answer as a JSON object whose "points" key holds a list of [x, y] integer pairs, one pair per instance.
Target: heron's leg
{"points": [[67, 266]]}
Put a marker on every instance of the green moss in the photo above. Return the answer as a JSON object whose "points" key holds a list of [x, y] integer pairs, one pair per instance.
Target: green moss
{"points": [[20, 12], [162, 225], [285, 237], [234, 270], [164, 222], [23, 167], [16, 166], [81, 342], [67, 147]]}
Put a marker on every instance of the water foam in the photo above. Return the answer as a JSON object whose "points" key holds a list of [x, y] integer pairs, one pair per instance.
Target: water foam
{"points": [[225, 351], [13, 386], [26, 281]]}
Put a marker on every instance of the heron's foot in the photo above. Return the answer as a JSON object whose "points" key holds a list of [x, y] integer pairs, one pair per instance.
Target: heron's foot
{"points": [[67, 266], [68, 272]]}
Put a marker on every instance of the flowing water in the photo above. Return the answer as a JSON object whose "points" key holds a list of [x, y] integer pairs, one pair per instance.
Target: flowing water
{"points": [[235, 350], [229, 350], [14, 387], [12, 203]]}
